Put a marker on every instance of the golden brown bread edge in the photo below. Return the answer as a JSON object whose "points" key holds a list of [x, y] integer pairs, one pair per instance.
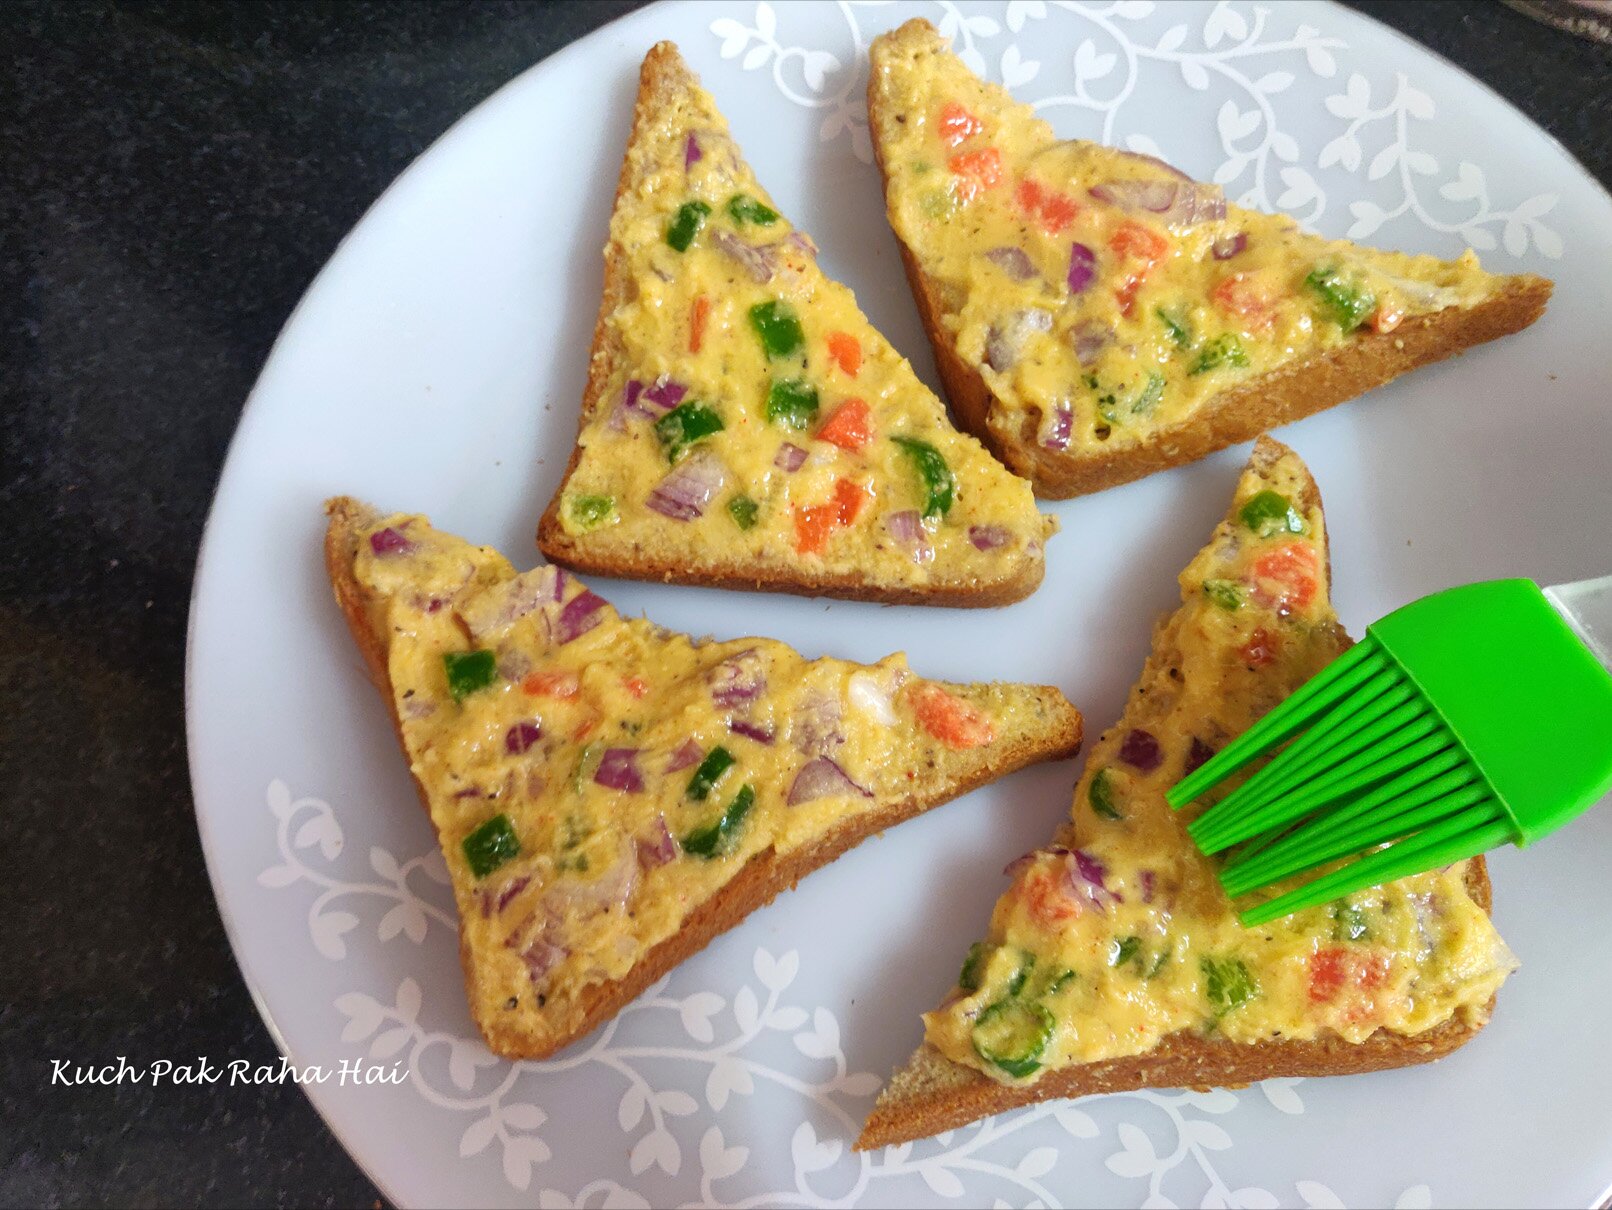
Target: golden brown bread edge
{"points": [[1237, 414], [664, 73], [930, 1093], [754, 886]]}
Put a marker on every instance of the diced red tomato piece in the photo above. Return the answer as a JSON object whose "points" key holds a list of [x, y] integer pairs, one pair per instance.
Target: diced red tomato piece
{"points": [[552, 684], [1350, 976], [951, 720], [697, 316], [957, 125], [1052, 210], [586, 726], [1287, 578], [1133, 239], [1261, 649], [636, 685], [1326, 974], [1246, 297], [977, 171], [849, 426], [1126, 294], [849, 498], [813, 525], [845, 351]]}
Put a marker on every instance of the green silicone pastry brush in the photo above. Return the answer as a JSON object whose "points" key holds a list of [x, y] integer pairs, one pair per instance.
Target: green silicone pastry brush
{"points": [[1467, 719]]}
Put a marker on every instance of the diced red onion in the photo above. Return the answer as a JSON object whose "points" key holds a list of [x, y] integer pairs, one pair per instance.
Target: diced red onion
{"points": [[760, 261], [820, 778], [389, 541], [507, 603], [609, 891], [989, 537], [1140, 749], [1005, 342], [522, 736], [513, 664], [658, 848], [580, 615], [790, 458], [755, 731], [804, 242], [664, 394], [1180, 203], [1146, 880], [1057, 427], [1087, 876], [415, 708], [687, 754], [1015, 262], [1228, 246], [1198, 754], [907, 528], [492, 905], [1153, 196], [618, 770], [739, 679], [541, 956], [688, 488], [1089, 338], [1156, 162], [468, 792], [692, 154], [815, 728], [1082, 267]]}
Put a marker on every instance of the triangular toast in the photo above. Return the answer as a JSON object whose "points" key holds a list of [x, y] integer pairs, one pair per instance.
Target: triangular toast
{"points": [[744, 425], [1097, 316], [1116, 949], [610, 795]]}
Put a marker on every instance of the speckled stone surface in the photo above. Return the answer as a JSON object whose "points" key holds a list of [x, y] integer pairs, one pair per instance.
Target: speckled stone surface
{"points": [[172, 176]]}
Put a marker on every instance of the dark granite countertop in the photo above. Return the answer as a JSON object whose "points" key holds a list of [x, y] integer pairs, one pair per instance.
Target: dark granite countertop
{"points": [[172, 176]]}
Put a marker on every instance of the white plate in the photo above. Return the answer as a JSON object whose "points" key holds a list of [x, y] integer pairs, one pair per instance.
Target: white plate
{"points": [[436, 365]]}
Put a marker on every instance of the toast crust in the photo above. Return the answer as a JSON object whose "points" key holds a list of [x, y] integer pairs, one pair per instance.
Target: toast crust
{"points": [[1238, 414], [931, 1093], [664, 73], [755, 885]]}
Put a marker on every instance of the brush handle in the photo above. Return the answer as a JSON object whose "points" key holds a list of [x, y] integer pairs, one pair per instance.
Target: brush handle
{"points": [[1587, 607]]}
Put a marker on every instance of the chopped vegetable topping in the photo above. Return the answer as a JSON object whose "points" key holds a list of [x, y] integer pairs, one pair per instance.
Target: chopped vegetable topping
{"points": [[1100, 793], [1140, 749], [1287, 578], [846, 352], [849, 426], [690, 218], [1224, 350], [1271, 513], [1122, 949], [491, 845], [849, 498], [1021, 972], [1225, 593], [552, 684], [1012, 1034], [746, 209], [956, 723], [940, 485], [1350, 305], [1133, 239], [775, 323], [792, 402], [469, 671], [589, 512], [1227, 983], [1349, 922], [699, 312], [717, 762], [684, 425], [715, 839], [1179, 332], [1052, 211], [976, 172], [743, 511], [957, 125], [969, 977], [522, 736]]}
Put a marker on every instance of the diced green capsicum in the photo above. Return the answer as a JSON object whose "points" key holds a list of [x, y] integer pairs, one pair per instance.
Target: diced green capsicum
{"points": [[973, 967], [684, 425], [491, 845], [743, 510], [778, 329], [1100, 793], [1179, 332], [940, 485], [1227, 983], [717, 762], [1060, 980], [1349, 922], [680, 232], [1269, 513], [792, 402], [1122, 949], [1224, 350], [1350, 305], [1021, 973], [746, 209], [469, 671], [1227, 594], [1148, 398], [590, 512], [716, 838], [1012, 1034]]}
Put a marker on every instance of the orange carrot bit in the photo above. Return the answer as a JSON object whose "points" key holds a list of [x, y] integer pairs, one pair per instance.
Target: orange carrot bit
{"points": [[979, 170], [813, 525], [1261, 649], [552, 684], [849, 498], [849, 426], [1126, 294], [1385, 318], [951, 720], [846, 352], [1133, 239], [586, 726], [636, 685], [957, 125], [1246, 297], [698, 314], [1052, 210]]}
